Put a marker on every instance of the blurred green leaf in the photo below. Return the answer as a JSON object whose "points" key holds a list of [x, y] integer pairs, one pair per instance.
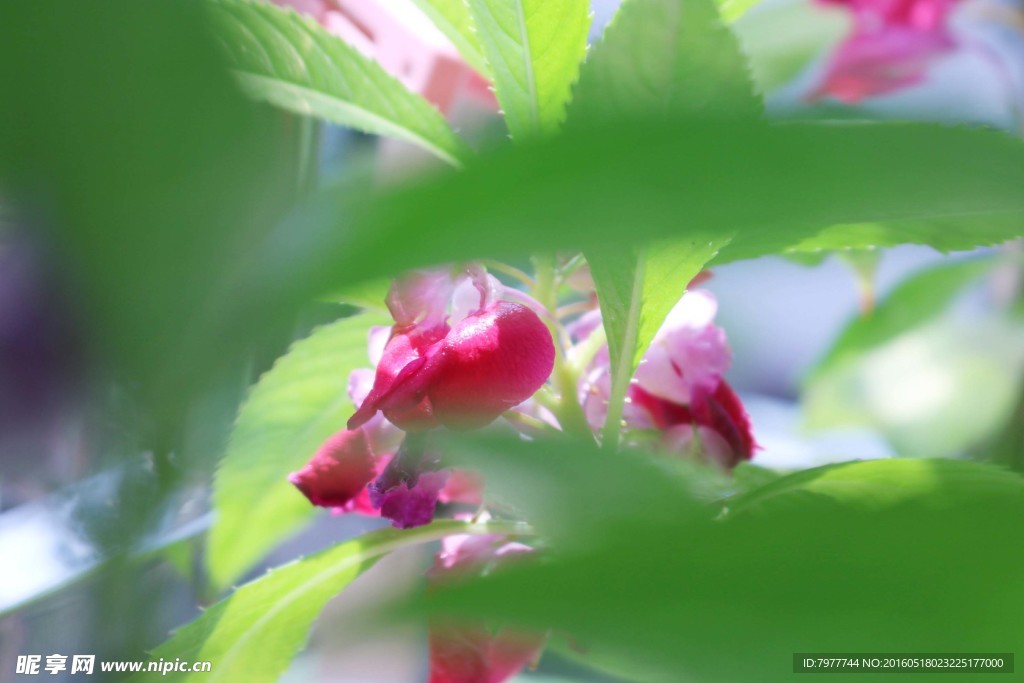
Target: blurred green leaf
{"points": [[937, 389], [665, 57], [292, 62], [731, 10], [947, 234], [563, 485], [371, 294], [748, 476], [881, 484], [876, 556], [534, 48], [918, 299], [253, 634], [291, 411], [629, 184], [123, 136], [637, 288], [781, 38], [453, 19]]}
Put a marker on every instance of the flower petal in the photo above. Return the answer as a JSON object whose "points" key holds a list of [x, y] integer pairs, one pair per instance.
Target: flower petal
{"points": [[489, 363], [722, 411], [411, 506], [891, 46], [399, 384], [420, 298], [688, 352]]}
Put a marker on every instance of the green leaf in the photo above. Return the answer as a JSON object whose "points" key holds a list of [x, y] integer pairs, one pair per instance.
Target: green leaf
{"points": [[782, 37], [534, 48], [652, 179], [294, 63], [945, 235], [901, 552], [880, 484], [565, 485], [665, 57], [253, 634], [453, 19], [935, 390], [371, 294], [290, 412], [656, 58], [130, 146], [637, 288], [916, 300], [731, 10]]}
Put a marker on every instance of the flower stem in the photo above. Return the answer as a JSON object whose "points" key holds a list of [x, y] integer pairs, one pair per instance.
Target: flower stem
{"points": [[563, 378], [511, 271]]}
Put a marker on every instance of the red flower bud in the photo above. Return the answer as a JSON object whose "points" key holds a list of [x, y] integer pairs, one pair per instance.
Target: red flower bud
{"points": [[338, 472], [461, 377]]}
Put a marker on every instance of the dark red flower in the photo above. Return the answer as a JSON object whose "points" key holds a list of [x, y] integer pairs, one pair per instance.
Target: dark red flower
{"points": [[715, 421]]}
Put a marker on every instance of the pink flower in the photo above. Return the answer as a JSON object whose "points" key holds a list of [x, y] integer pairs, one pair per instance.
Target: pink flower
{"points": [[689, 353], [891, 45], [466, 651], [679, 388], [458, 356]]}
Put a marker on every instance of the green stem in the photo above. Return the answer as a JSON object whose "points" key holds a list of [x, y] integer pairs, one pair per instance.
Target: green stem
{"points": [[525, 421], [569, 412], [864, 264], [574, 308], [511, 271]]}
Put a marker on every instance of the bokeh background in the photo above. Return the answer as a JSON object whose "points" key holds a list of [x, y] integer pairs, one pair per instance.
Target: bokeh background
{"points": [[101, 534]]}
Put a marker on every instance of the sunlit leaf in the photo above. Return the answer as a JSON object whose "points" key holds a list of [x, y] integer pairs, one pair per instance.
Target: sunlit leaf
{"points": [[534, 48], [291, 411], [453, 19], [880, 484], [294, 63], [666, 57], [950, 234], [637, 288]]}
